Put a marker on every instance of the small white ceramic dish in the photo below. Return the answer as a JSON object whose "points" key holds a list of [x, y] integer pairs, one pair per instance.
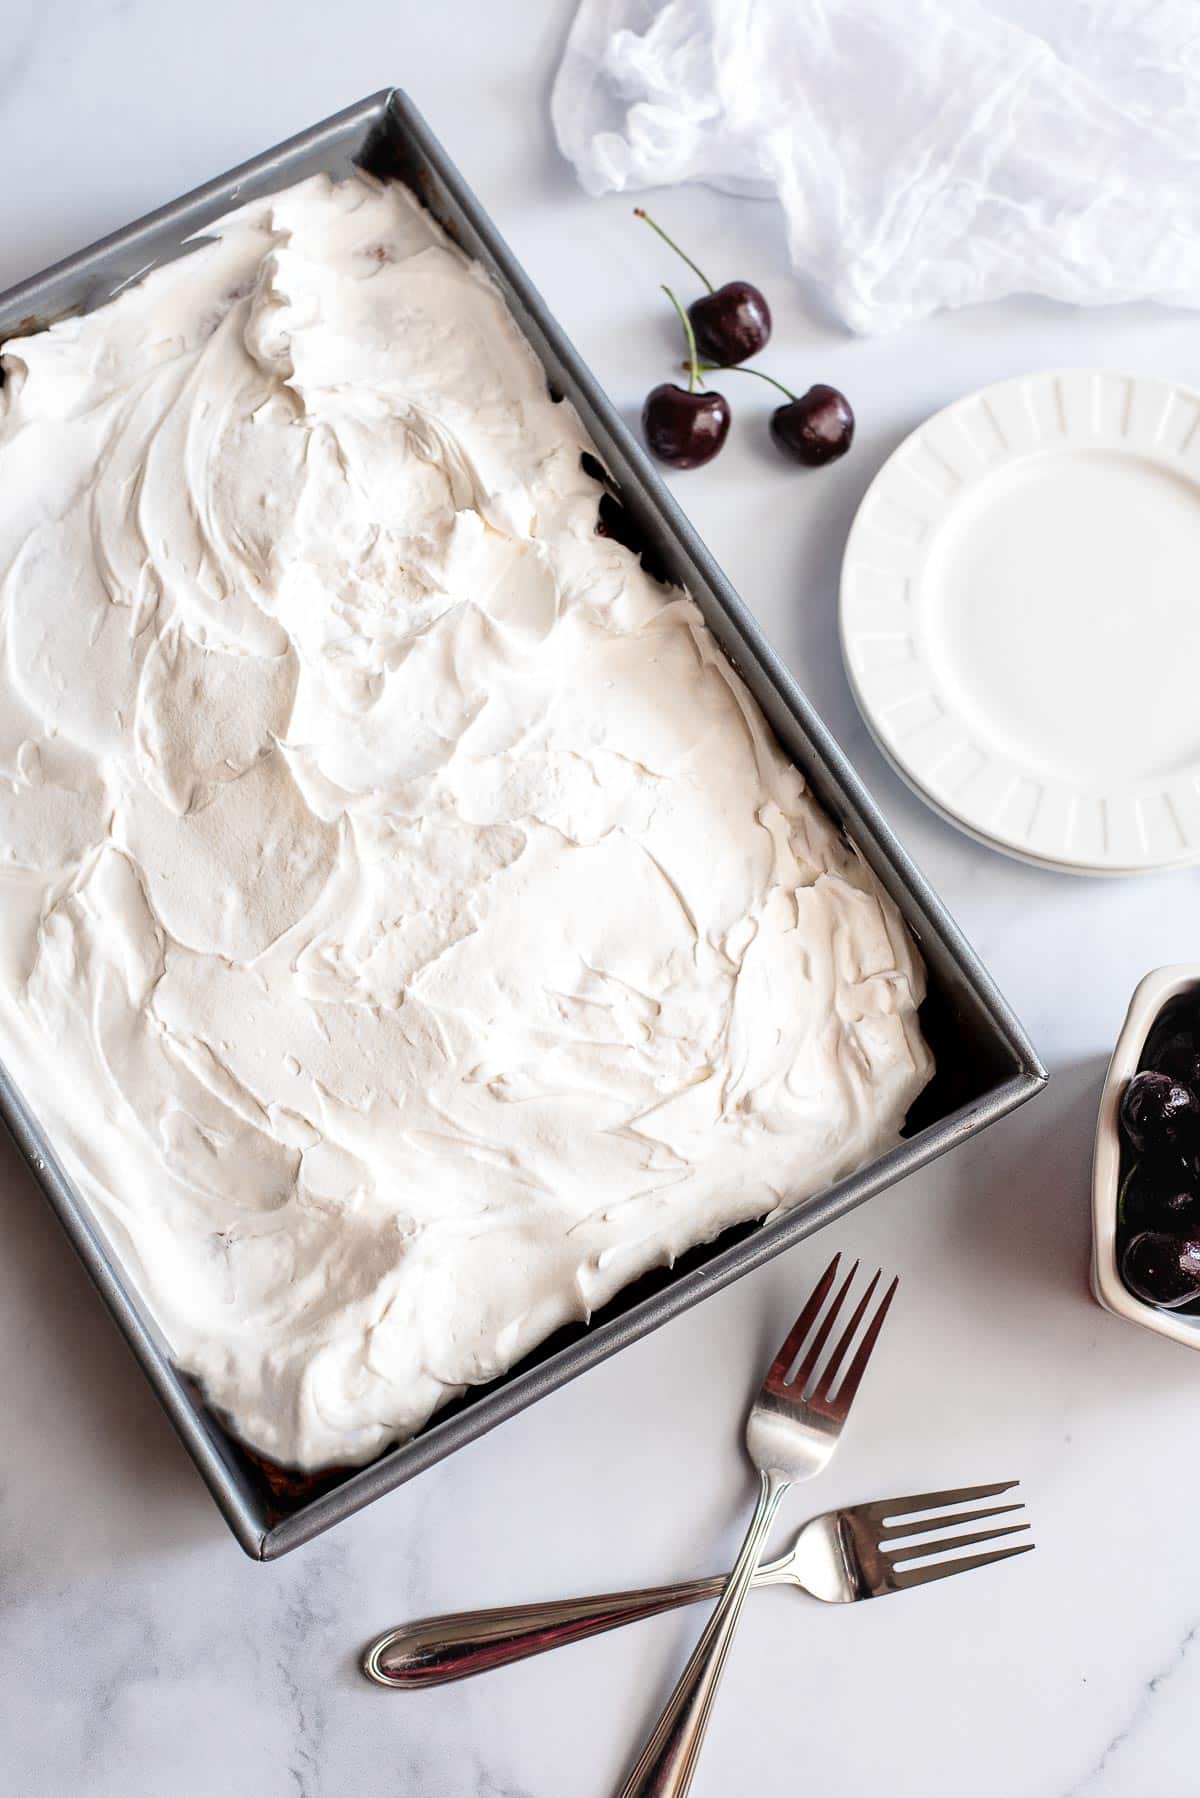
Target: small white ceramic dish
{"points": [[1020, 618], [1151, 995]]}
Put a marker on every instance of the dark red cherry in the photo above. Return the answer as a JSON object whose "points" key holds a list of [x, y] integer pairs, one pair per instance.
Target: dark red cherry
{"points": [[1176, 1214], [1177, 1054], [1158, 1114], [682, 428], [1138, 1198], [1161, 1269], [730, 322], [1161, 1196], [816, 428]]}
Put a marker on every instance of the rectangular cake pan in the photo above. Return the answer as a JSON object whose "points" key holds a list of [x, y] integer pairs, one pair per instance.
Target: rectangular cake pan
{"points": [[986, 1064]]}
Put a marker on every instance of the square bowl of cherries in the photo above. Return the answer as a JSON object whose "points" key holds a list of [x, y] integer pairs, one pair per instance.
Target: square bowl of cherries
{"points": [[1146, 1170]]}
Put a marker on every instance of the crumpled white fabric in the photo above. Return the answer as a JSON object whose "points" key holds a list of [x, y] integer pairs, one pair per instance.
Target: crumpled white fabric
{"points": [[927, 153]]}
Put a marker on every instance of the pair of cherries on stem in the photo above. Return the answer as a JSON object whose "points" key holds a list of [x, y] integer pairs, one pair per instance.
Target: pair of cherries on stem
{"points": [[686, 427]]}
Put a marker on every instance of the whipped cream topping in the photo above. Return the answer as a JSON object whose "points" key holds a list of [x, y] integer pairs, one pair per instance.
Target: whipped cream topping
{"points": [[412, 931]]}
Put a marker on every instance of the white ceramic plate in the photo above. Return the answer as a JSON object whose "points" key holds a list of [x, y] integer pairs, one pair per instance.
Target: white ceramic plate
{"points": [[1154, 992], [1020, 618]]}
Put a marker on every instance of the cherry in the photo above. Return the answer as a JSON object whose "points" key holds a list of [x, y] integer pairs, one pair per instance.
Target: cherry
{"points": [[1178, 1055], [1161, 1199], [684, 429], [1158, 1113], [1162, 1269], [681, 426], [1178, 1214], [816, 428], [730, 322]]}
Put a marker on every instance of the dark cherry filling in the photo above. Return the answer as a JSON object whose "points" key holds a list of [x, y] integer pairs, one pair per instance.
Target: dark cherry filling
{"points": [[1158, 1211]]}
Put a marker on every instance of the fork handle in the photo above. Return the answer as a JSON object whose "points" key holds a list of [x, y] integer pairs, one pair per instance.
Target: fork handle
{"points": [[667, 1764], [434, 1650]]}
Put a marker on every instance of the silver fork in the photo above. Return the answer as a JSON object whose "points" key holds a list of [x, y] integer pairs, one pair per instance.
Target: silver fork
{"points": [[861, 1551], [792, 1431]]}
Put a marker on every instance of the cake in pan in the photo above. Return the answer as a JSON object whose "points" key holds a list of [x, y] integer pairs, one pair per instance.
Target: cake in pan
{"points": [[412, 931]]}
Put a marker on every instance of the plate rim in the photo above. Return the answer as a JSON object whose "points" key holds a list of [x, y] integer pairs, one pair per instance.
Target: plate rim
{"points": [[1043, 864]]}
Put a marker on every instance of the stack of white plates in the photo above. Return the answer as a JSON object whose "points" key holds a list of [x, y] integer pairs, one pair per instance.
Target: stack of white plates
{"points": [[1020, 619]]}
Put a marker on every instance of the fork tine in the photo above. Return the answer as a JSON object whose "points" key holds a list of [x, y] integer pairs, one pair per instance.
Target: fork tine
{"points": [[849, 1385], [947, 1521], [844, 1341], [917, 1576], [805, 1372], [929, 1501], [780, 1366], [913, 1550]]}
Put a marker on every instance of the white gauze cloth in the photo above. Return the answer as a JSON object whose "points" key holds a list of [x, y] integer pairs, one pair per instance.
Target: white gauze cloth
{"points": [[926, 154]]}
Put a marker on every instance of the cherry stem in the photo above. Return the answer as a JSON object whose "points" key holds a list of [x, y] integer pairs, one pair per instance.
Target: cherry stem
{"points": [[693, 364], [722, 368], [638, 213]]}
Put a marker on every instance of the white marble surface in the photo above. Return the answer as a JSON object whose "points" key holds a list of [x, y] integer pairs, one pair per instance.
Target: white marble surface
{"points": [[140, 1654]]}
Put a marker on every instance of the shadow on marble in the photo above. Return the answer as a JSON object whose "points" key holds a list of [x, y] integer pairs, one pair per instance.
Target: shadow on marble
{"points": [[102, 1478], [1033, 1227]]}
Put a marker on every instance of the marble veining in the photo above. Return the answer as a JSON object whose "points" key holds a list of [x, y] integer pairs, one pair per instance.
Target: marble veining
{"points": [[1130, 1729]]}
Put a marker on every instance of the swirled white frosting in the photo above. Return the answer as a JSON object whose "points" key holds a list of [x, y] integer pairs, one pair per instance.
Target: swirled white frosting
{"points": [[411, 931]]}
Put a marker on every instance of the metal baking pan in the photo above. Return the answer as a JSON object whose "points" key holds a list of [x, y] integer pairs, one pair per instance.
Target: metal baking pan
{"points": [[986, 1064]]}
